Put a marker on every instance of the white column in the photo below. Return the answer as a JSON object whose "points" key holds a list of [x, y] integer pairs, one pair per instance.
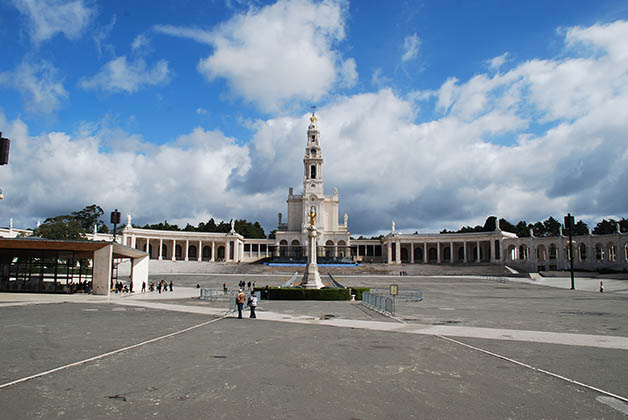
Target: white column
{"points": [[174, 249], [464, 252], [139, 272], [451, 252], [133, 241], [492, 248], [411, 252], [389, 249], [213, 258], [398, 252], [187, 249], [101, 279], [477, 243], [160, 246], [438, 252], [424, 252], [199, 254]]}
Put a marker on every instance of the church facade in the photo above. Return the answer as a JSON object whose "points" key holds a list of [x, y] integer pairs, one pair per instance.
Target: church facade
{"points": [[291, 236]]}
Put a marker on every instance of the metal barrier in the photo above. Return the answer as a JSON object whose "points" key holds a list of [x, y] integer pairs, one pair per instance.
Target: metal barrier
{"points": [[211, 294], [411, 295], [380, 303]]}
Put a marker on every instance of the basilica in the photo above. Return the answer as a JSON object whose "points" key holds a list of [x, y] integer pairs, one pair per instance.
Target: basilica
{"points": [[335, 245]]}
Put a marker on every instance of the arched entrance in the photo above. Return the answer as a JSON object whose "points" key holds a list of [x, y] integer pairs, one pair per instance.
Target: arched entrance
{"points": [[207, 253], [447, 254], [418, 254], [178, 252], [192, 255], [220, 253], [329, 249], [295, 249], [432, 254]]}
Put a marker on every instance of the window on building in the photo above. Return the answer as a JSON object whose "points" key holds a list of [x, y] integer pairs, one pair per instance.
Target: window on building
{"points": [[313, 172]]}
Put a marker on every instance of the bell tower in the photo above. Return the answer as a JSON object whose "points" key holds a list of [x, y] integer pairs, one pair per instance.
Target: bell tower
{"points": [[313, 163]]}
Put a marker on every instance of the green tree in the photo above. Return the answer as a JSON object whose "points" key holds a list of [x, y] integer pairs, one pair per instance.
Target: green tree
{"points": [[623, 225], [523, 229], [90, 216], [605, 227], [506, 226], [552, 227], [60, 228], [580, 229]]}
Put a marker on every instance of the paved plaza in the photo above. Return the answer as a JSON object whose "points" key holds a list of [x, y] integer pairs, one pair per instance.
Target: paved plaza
{"points": [[475, 348]]}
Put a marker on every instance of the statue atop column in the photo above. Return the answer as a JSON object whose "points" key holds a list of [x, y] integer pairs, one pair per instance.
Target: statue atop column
{"points": [[232, 226], [312, 216], [128, 220], [311, 277], [346, 220], [393, 226]]}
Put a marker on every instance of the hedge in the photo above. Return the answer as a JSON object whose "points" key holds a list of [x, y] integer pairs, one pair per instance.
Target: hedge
{"points": [[299, 293]]}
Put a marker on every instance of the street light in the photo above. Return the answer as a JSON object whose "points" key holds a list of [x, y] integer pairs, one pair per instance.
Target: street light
{"points": [[4, 154], [569, 222]]}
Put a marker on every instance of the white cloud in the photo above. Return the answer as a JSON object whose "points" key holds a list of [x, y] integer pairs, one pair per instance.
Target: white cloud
{"points": [[277, 54], [120, 75], [140, 42], [55, 173], [49, 17], [496, 62], [348, 73], [411, 45], [39, 85], [378, 79], [196, 34]]}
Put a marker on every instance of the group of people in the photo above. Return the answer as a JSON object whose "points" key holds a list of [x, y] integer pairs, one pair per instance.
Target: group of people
{"points": [[244, 285], [81, 286], [161, 285], [251, 302], [119, 287]]}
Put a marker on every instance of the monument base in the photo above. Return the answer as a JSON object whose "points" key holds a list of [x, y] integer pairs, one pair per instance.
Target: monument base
{"points": [[311, 278]]}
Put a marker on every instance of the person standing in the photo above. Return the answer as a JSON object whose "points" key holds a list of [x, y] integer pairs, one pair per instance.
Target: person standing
{"points": [[171, 289], [143, 287], [252, 304], [240, 299]]}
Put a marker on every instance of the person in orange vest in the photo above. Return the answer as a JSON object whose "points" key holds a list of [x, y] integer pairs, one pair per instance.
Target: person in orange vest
{"points": [[240, 299]]}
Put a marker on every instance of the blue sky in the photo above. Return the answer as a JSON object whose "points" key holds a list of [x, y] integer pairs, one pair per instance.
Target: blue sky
{"points": [[434, 114]]}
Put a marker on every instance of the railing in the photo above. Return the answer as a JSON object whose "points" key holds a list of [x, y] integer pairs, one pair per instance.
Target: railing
{"points": [[211, 294], [380, 303], [411, 295]]}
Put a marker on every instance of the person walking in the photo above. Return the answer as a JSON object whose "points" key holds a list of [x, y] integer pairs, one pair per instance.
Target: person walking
{"points": [[171, 286], [143, 287], [240, 299], [252, 304]]}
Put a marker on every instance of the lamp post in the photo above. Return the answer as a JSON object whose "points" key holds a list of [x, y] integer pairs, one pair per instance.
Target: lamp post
{"points": [[115, 219], [569, 222], [4, 154]]}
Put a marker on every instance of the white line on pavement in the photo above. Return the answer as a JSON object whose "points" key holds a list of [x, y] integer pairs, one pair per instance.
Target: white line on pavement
{"points": [[91, 359]]}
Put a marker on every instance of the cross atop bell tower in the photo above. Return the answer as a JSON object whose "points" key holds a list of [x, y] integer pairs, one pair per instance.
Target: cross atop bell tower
{"points": [[313, 161]]}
